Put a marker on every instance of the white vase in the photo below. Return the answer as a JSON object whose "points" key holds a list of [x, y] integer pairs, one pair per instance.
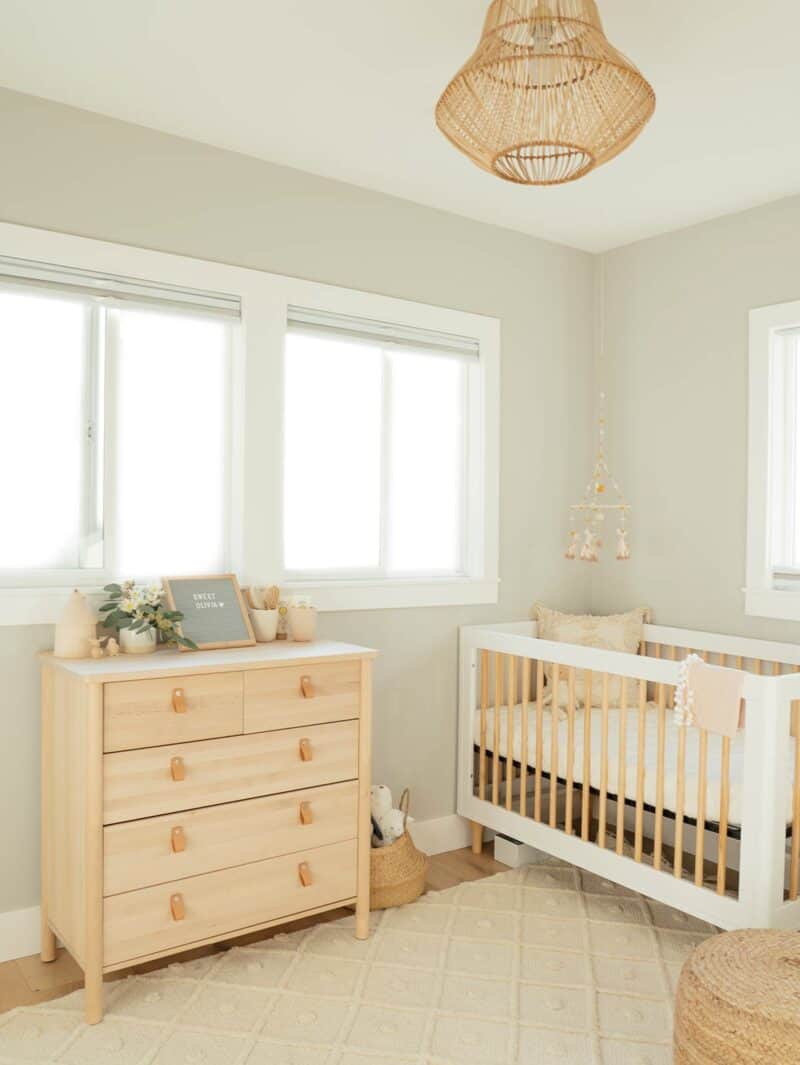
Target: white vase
{"points": [[137, 643], [265, 625]]}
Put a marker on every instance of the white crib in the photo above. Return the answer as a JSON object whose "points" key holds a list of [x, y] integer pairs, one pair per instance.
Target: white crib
{"points": [[703, 823]]}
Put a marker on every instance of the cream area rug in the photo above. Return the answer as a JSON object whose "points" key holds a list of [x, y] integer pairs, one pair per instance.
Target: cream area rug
{"points": [[544, 965]]}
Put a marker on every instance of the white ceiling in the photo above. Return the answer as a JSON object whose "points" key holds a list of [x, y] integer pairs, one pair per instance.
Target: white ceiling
{"points": [[346, 88]]}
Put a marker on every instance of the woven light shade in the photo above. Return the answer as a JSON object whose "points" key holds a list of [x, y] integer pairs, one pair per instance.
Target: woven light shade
{"points": [[545, 98]]}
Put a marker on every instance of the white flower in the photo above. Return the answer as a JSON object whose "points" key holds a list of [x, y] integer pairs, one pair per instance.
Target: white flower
{"points": [[127, 605]]}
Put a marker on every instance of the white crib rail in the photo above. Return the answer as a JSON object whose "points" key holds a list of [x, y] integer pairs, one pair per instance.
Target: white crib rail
{"points": [[553, 820]]}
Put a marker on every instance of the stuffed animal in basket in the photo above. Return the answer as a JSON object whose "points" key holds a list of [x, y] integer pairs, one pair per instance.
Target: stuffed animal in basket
{"points": [[388, 823]]}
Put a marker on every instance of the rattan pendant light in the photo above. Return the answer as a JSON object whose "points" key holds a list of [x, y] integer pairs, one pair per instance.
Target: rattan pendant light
{"points": [[545, 98]]}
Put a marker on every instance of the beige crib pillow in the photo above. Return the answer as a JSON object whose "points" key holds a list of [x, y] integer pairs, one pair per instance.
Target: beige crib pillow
{"points": [[613, 632]]}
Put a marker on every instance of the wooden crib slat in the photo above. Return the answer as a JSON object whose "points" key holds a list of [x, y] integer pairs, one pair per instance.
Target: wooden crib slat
{"points": [[639, 834], [680, 796], [523, 771], [601, 818], [568, 813], [511, 702], [554, 747], [673, 654], [724, 805], [658, 832], [621, 756], [484, 708], [537, 794], [498, 702], [702, 778], [586, 806]]}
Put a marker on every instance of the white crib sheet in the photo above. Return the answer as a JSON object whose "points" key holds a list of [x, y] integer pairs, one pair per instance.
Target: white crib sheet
{"points": [[631, 756]]}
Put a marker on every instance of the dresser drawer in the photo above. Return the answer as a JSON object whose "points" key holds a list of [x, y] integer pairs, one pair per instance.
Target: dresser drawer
{"points": [[290, 696], [148, 713], [159, 849], [152, 919], [184, 776]]}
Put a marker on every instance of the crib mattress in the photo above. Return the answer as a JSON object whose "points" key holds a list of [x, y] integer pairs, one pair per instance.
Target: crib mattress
{"points": [[615, 785]]}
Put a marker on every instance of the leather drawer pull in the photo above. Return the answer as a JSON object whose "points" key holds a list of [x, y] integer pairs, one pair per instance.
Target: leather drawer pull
{"points": [[177, 907], [177, 769], [306, 754], [177, 839], [306, 687], [179, 701], [304, 872], [306, 815]]}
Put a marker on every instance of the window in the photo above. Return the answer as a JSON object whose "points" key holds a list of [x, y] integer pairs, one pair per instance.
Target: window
{"points": [[784, 540], [378, 421], [169, 415], [115, 434], [773, 563]]}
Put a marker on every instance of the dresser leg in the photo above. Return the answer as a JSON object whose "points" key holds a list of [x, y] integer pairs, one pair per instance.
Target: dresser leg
{"points": [[93, 985], [48, 951], [362, 918]]}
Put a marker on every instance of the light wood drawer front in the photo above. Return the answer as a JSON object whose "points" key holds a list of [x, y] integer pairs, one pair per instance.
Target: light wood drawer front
{"points": [[147, 713], [301, 695], [181, 912], [184, 776], [158, 849]]}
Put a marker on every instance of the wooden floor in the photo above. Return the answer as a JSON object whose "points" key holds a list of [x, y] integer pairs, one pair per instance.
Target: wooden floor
{"points": [[27, 980]]}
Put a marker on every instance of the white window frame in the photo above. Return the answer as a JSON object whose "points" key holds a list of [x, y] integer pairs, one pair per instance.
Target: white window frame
{"points": [[762, 597], [256, 438]]}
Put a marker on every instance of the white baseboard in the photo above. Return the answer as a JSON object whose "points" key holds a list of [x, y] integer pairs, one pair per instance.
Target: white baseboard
{"points": [[19, 933], [440, 834]]}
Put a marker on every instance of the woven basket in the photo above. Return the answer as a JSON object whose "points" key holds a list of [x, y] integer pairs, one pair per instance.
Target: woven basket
{"points": [[397, 872], [738, 1001]]}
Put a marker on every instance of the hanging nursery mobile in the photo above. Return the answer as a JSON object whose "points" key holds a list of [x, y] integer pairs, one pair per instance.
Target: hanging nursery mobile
{"points": [[603, 499], [596, 507]]}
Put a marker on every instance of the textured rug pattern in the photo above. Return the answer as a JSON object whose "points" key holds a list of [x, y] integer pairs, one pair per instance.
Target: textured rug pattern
{"points": [[545, 965]]}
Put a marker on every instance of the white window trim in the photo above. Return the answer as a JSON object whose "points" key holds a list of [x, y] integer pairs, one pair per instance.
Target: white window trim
{"points": [[762, 598], [256, 549]]}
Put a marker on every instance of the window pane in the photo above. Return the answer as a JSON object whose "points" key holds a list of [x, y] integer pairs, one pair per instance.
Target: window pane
{"points": [[42, 430], [784, 468], [172, 444], [427, 456], [332, 465]]}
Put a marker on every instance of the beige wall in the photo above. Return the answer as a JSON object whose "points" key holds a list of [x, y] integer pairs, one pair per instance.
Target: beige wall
{"points": [[75, 172], [676, 338]]}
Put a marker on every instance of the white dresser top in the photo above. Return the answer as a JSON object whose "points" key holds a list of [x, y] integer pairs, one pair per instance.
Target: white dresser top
{"points": [[176, 663]]}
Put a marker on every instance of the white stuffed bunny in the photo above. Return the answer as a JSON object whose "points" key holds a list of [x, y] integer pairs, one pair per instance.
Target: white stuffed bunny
{"points": [[388, 824], [380, 800], [380, 805]]}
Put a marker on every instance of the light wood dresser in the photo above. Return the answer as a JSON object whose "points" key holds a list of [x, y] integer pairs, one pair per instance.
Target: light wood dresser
{"points": [[189, 798]]}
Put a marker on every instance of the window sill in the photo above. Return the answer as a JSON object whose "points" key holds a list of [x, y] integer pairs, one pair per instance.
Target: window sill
{"points": [[43, 606], [394, 595], [772, 603]]}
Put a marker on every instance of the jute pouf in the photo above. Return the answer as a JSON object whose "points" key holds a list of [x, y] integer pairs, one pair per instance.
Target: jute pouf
{"points": [[738, 1001]]}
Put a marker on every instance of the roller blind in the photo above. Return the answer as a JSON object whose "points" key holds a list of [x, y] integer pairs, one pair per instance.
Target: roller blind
{"points": [[116, 289], [302, 319]]}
